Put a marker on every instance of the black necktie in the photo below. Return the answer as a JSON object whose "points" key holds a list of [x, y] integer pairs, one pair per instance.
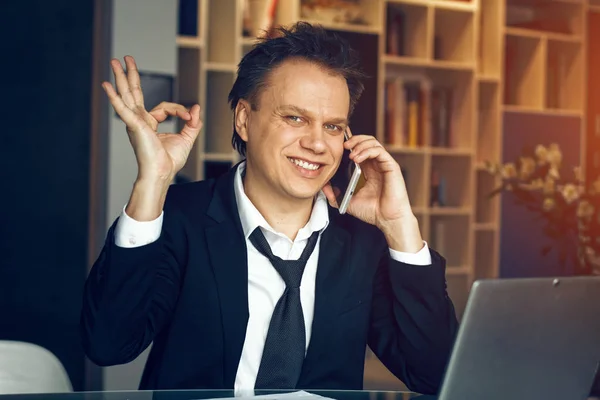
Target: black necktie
{"points": [[285, 345]]}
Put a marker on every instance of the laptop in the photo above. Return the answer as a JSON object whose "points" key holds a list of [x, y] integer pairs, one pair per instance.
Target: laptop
{"points": [[526, 338]]}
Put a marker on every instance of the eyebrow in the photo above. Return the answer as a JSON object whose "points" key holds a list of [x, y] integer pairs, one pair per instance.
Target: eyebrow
{"points": [[303, 111]]}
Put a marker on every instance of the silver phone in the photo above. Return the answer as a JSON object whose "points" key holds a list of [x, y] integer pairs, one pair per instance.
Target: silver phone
{"points": [[345, 180]]}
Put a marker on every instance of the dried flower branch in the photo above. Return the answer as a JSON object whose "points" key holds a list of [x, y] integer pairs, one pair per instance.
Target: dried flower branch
{"points": [[567, 206]]}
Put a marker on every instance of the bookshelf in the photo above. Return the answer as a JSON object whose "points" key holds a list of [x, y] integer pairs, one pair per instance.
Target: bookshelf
{"points": [[470, 62]]}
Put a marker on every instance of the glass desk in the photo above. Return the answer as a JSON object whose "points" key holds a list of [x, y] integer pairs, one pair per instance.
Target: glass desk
{"points": [[215, 394]]}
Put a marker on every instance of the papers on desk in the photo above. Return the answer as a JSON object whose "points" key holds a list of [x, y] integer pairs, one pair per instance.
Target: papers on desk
{"points": [[300, 395]]}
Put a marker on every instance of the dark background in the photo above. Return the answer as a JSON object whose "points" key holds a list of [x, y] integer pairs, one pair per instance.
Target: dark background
{"points": [[47, 50]]}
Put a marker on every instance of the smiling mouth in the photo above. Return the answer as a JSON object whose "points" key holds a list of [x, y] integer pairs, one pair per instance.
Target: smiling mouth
{"points": [[305, 164]]}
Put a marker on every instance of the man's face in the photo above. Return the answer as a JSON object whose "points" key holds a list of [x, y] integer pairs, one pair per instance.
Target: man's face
{"points": [[295, 138]]}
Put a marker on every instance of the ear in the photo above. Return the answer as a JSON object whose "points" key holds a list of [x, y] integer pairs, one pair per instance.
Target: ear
{"points": [[242, 115]]}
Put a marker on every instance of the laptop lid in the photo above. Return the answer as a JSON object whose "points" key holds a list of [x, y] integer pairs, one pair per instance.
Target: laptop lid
{"points": [[532, 338]]}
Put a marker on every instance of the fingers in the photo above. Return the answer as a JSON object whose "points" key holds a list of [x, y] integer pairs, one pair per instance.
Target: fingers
{"points": [[127, 115], [192, 127], [164, 110], [365, 144], [364, 147], [133, 77], [122, 83]]}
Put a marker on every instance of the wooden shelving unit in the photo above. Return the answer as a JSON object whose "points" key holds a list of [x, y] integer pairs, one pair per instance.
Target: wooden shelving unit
{"points": [[482, 55]]}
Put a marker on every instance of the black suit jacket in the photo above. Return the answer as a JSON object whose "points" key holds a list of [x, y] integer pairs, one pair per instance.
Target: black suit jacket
{"points": [[188, 294]]}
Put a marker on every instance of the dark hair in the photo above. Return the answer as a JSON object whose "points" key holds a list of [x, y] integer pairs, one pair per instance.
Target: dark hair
{"points": [[302, 40]]}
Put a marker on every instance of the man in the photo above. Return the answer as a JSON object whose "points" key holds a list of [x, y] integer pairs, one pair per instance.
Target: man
{"points": [[253, 280]]}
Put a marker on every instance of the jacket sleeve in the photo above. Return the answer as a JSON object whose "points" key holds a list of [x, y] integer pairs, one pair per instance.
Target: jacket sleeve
{"points": [[130, 295], [413, 322]]}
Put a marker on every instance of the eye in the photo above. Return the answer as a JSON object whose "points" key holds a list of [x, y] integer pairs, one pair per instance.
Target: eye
{"points": [[332, 127], [294, 118]]}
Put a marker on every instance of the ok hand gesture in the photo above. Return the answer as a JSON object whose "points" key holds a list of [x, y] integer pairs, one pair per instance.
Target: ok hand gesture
{"points": [[159, 155]]}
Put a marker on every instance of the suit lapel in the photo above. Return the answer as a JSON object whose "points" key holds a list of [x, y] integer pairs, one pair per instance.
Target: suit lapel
{"points": [[331, 287], [228, 257]]}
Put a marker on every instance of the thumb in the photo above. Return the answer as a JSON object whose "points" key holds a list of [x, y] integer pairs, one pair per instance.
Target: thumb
{"points": [[192, 127]]}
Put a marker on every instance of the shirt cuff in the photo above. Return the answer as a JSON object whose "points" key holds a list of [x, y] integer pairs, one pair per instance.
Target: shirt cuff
{"points": [[130, 233], [422, 257]]}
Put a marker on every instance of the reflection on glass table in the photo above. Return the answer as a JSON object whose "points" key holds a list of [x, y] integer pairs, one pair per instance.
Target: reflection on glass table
{"points": [[222, 394]]}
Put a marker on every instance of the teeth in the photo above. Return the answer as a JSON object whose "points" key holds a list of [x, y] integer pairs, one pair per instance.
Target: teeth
{"points": [[304, 164]]}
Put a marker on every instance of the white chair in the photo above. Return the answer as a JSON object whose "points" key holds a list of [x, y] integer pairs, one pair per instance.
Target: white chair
{"points": [[29, 368]]}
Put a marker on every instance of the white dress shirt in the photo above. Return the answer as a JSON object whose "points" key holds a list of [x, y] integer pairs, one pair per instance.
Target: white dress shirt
{"points": [[265, 285]]}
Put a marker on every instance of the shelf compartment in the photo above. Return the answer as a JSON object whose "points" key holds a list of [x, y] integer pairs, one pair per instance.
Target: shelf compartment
{"points": [[450, 181], [490, 43], [221, 37], [188, 76], [548, 16], [407, 30], [360, 17], [485, 255], [188, 23], [488, 122], [524, 71], [564, 76], [435, 84], [454, 36], [487, 207], [414, 171], [458, 288], [449, 236], [218, 127]]}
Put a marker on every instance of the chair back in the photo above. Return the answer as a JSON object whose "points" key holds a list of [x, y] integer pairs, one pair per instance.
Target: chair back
{"points": [[29, 368]]}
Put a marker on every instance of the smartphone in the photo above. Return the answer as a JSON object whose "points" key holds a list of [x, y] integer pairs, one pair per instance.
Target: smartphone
{"points": [[345, 180]]}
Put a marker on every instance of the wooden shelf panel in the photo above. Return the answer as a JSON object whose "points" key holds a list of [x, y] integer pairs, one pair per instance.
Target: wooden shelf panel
{"points": [[414, 170], [459, 287], [428, 64], [193, 42], [542, 111], [490, 38], [355, 28], [228, 157], [534, 34], [488, 122], [485, 226], [464, 6], [486, 255], [220, 67], [449, 235], [487, 209]]}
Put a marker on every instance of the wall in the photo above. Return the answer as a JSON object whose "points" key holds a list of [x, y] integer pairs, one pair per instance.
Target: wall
{"points": [[146, 30], [44, 164], [522, 237]]}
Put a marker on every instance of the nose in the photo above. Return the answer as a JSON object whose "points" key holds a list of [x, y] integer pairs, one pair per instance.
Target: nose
{"points": [[314, 140]]}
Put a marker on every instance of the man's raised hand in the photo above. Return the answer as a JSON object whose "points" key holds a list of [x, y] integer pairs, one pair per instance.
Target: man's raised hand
{"points": [[159, 155]]}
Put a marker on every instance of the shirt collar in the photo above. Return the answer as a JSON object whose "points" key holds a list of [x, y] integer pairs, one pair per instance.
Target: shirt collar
{"points": [[252, 218]]}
